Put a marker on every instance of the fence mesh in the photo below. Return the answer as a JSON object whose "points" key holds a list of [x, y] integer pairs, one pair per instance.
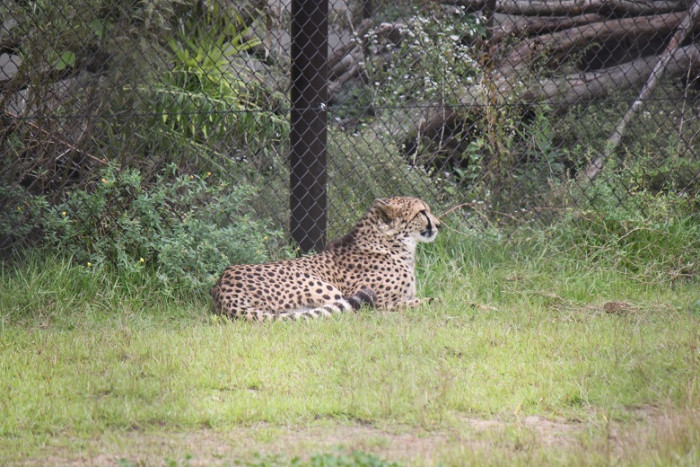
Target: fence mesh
{"points": [[518, 110]]}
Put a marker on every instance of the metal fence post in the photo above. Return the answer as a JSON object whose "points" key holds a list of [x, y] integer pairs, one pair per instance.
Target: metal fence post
{"points": [[308, 123]]}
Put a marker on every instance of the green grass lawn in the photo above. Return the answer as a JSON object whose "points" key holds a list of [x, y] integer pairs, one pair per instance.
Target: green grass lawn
{"points": [[535, 350]]}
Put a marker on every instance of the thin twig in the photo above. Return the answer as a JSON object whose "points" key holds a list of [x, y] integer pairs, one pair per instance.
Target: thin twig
{"points": [[685, 99], [55, 138], [454, 209], [452, 229]]}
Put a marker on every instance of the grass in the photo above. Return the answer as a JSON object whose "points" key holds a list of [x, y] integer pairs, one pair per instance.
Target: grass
{"points": [[521, 359]]}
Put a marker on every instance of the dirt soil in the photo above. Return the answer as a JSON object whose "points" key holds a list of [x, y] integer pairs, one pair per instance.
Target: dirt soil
{"points": [[406, 444]]}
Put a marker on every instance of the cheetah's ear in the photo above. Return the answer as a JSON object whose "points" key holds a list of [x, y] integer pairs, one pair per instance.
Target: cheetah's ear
{"points": [[389, 210]]}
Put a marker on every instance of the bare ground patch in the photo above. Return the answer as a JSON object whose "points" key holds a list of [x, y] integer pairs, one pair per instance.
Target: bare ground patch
{"points": [[649, 432]]}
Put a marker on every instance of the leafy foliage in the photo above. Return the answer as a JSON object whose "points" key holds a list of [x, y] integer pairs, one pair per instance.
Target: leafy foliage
{"points": [[429, 60], [185, 227], [20, 211], [202, 97], [196, 110]]}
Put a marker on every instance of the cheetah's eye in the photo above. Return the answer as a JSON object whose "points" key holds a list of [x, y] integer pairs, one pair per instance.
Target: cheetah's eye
{"points": [[427, 218]]}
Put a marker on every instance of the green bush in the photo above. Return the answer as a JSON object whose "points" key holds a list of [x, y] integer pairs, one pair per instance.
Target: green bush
{"points": [[20, 215], [143, 84], [184, 227]]}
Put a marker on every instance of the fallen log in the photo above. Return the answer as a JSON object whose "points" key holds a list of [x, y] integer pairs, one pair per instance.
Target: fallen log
{"points": [[341, 52], [558, 45], [514, 25], [559, 93], [348, 72], [573, 7], [346, 62], [354, 69]]}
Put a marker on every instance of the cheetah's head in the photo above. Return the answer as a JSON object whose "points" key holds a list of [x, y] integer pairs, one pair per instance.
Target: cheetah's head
{"points": [[410, 218]]}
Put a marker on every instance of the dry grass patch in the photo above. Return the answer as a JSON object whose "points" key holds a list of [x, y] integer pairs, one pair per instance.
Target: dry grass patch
{"points": [[647, 435]]}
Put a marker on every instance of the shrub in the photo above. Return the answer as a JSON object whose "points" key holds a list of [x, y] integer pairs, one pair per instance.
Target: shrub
{"points": [[184, 227], [138, 83], [19, 219]]}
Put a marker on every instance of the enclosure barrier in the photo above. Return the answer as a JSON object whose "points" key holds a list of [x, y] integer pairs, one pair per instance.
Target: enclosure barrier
{"points": [[515, 111]]}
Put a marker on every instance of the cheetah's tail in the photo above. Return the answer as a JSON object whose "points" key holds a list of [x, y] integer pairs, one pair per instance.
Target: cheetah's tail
{"points": [[364, 297]]}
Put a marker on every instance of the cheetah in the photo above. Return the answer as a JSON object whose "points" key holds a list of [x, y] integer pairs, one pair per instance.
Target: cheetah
{"points": [[373, 265]]}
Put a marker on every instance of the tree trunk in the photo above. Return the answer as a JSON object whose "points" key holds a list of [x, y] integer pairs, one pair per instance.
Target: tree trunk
{"points": [[563, 92]]}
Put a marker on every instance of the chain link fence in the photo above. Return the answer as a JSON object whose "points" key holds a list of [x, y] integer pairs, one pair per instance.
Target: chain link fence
{"points": [[251, 110]]}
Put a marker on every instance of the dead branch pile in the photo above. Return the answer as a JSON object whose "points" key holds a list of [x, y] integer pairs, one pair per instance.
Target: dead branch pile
{"points": [[561, 53]]}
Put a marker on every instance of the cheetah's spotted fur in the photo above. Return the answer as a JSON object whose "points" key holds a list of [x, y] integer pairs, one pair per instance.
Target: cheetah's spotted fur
{"points": [[372, 265]]}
